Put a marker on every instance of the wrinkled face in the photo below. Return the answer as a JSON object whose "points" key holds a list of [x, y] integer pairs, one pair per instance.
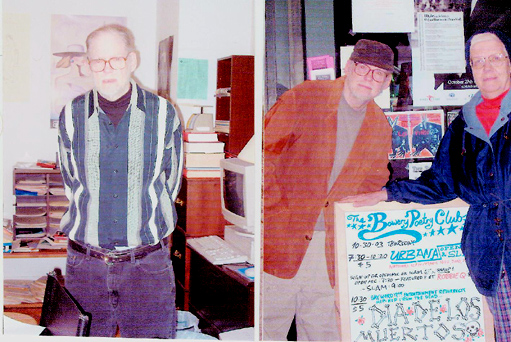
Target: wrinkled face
{"points": [[364, 88], [492, 77], [110, 83]]}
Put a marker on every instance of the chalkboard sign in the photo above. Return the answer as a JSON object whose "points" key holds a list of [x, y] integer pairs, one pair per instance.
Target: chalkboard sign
{"points": [[401, 275]]}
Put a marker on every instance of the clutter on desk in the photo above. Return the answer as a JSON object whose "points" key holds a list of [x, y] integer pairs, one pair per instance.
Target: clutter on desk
{"points": [[7, 236], [188, 327], [25, 245], [46, 163]]}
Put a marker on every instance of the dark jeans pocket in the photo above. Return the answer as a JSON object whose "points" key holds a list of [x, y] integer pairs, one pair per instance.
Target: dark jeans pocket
{"points": [[74, 258], [157, 262]]}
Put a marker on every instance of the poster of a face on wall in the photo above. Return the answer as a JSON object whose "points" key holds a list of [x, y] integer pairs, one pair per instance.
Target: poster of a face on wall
{"points": [[70, 75]]}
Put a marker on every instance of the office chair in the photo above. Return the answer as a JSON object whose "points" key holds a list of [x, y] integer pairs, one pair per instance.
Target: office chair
{"points": [[61, 314]]}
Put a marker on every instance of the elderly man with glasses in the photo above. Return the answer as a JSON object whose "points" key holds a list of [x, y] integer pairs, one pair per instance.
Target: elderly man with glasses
{"points": [[323, 140], [121, 160], [474, 163]]}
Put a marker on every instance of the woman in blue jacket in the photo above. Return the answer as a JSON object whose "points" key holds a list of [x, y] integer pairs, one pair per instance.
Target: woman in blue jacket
{"points": [[473, 163]]}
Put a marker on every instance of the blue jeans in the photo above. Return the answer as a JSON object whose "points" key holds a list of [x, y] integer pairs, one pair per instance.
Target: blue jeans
{"points": [[138, 295]]}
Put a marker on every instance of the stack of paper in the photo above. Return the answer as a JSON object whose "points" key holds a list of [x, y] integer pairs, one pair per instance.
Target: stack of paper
{"points": [[31, 186], [203, 153]]}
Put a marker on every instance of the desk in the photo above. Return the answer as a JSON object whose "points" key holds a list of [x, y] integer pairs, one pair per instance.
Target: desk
{"points": [[221, 298], [29, 309]]}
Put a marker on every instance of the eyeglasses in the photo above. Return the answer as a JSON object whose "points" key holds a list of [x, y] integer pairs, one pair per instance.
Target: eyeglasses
{"points": [[495, 60], [116, 63], [377, 74]]}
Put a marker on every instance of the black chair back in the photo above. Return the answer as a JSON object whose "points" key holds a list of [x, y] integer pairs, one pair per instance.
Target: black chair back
{"points": [[61, 314]]}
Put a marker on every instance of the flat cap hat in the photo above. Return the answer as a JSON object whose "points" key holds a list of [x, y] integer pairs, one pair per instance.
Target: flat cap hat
{"points": [[373, 53]]}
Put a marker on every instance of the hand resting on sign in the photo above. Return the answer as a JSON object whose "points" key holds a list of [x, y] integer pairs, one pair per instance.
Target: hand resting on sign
{"points": [[367, 199]]}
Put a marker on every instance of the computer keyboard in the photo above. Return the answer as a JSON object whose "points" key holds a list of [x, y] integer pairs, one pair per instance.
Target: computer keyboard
{"points": [[216, 250]]}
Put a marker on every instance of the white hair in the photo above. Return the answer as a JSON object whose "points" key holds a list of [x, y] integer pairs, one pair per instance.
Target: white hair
{"points": [[484, 37]]}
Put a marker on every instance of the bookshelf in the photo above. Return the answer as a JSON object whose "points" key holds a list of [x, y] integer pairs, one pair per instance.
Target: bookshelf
{"points": [[235, 101]]}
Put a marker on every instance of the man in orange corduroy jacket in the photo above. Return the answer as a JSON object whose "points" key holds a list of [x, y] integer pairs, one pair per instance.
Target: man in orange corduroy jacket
{"points": [[323, 140]]}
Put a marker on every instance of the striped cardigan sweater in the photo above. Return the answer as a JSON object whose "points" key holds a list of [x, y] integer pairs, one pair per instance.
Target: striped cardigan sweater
{"points": [[121, 181]]}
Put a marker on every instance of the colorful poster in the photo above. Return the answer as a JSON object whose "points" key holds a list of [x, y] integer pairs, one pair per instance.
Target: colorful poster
{"points": [[402, 275], [415, 134]]}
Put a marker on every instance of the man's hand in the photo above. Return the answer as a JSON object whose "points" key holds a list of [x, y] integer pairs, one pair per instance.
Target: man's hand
{"points": [[368, 199]]}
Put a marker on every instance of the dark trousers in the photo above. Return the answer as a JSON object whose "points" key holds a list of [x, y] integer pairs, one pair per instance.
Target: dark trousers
{"points": [[138, 295]]}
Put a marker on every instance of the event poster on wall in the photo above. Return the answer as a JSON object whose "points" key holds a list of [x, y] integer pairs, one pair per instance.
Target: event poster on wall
{"points": [[415, 134], [438, 61], [402, 276]]}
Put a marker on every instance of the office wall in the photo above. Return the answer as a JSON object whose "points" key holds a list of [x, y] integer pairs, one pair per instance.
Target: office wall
{"points": [[207, 30], [202, 29]]}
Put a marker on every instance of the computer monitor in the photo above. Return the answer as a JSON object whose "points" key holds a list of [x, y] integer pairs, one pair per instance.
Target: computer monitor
{"points": [[238, 192]]}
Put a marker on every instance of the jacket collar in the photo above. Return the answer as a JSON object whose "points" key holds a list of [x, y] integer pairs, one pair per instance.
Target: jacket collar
{"points": [[474, 126]]}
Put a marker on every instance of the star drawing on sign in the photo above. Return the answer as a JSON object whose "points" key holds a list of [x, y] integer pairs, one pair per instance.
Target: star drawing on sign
{"points": [[452, 229], [440, 231]]}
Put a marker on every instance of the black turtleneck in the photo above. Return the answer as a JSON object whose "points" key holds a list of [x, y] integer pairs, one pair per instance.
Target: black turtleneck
{"points": [[115, 109]]}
